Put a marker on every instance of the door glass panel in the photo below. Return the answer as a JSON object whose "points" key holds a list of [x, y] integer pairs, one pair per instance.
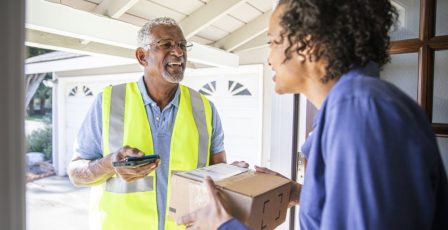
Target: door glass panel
{"points": [[443, 148], [408, 20], [440, 99], [442, 18], [403, 73]]}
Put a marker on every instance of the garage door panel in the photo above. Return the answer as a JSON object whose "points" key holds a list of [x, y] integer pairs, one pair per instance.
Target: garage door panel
{"points": [[236, 94]]}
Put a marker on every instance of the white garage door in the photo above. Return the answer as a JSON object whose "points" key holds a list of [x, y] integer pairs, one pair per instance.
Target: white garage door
{"points": [[237, 95]]}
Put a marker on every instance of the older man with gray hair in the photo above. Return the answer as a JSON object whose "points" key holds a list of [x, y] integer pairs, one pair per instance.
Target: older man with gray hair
{"points": [[155, 115]]}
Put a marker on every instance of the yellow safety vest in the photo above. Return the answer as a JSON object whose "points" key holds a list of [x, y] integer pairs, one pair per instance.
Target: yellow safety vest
{"points": [[117, 205]]}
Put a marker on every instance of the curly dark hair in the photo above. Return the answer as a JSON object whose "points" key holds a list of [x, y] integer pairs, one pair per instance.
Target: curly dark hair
{"points": [[344, 32]]}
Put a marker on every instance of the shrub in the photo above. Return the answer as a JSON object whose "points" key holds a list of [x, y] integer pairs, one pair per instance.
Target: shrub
{"points": [[40, 141]]}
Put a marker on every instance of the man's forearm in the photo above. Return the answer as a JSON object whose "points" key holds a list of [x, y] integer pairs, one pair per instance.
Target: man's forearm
{"points": [[86, 172], [218, 158]]}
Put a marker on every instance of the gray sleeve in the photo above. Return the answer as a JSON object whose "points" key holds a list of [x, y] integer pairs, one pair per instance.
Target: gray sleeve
{"points": [[89, 141], [217, 144]]}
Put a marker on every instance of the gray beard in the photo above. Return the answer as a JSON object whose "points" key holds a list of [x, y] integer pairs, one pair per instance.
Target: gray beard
{"points": [[173, 78]]}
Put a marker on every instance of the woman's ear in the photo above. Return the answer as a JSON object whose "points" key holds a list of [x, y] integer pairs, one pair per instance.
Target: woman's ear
{"points": [[308, 52], [140, 55], [299, 56]]}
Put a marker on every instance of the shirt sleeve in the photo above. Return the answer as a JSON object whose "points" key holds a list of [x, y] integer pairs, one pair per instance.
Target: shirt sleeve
{"points": [[88, 143], [375, 167], [233, 224], [217, 144]]}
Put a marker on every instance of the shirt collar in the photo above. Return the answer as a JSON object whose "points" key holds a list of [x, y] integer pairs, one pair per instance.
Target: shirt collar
{"points": [[147, 100], [371, 69]]}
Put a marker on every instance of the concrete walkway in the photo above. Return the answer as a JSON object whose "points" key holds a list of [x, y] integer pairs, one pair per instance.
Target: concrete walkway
{"points": [[53, 203]]}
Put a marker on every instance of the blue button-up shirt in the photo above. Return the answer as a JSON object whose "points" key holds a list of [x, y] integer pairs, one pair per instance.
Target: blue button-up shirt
{"points": [[89, 140], [372, 161]]}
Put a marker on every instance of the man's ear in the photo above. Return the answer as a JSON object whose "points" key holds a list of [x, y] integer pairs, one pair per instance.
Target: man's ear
{"points": [[140, 56]]}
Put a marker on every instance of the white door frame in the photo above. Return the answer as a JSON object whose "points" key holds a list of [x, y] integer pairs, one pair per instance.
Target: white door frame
{"points": [[12, 117]]}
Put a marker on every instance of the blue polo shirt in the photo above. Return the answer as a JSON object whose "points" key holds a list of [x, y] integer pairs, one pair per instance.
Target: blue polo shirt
{"points": [[372, 161], [89, 139]]}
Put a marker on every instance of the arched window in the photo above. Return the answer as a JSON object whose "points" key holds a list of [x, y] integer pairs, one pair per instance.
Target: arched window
{"points": [[85, 92]]}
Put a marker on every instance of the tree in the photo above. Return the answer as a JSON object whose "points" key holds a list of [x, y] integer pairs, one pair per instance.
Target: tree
{"points": [[42, 94], [33, 51]]}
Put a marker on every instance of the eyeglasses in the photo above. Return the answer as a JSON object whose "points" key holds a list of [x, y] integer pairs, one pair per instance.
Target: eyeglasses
{"points": [[168, 44]]}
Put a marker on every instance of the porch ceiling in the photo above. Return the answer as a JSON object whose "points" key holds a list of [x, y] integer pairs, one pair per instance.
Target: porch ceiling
{"points": [[217, 27]]}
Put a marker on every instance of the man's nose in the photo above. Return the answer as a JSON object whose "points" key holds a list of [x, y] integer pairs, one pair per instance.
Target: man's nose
{"points": [[177, 51]]}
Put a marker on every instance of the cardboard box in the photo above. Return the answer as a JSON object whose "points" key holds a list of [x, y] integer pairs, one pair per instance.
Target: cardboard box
{"points": [[258, 200]]}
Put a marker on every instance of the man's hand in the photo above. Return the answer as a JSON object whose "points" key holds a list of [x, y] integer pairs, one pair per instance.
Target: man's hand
{"points": [[134, 173], [296, 188], [210, 216]]}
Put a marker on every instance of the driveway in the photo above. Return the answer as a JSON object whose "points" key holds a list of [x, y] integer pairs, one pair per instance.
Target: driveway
{"points": [[53, 203]]}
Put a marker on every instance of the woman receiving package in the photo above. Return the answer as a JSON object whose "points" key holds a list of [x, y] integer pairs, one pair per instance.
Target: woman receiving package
{"points": [[372, 158]]}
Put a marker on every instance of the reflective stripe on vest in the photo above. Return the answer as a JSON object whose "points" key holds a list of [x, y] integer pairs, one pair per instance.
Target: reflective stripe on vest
{"points": [[117, 185], [199, 119], [116, 118]]}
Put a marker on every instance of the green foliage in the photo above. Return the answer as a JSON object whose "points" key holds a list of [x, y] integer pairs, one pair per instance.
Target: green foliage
{"points": [[40, 141], [43, 91], [41, 97], [33, 51], [45, 118]]}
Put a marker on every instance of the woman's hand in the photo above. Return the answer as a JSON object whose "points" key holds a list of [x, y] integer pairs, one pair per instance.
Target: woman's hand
{"points": [[210, 216], [296, 188]]}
